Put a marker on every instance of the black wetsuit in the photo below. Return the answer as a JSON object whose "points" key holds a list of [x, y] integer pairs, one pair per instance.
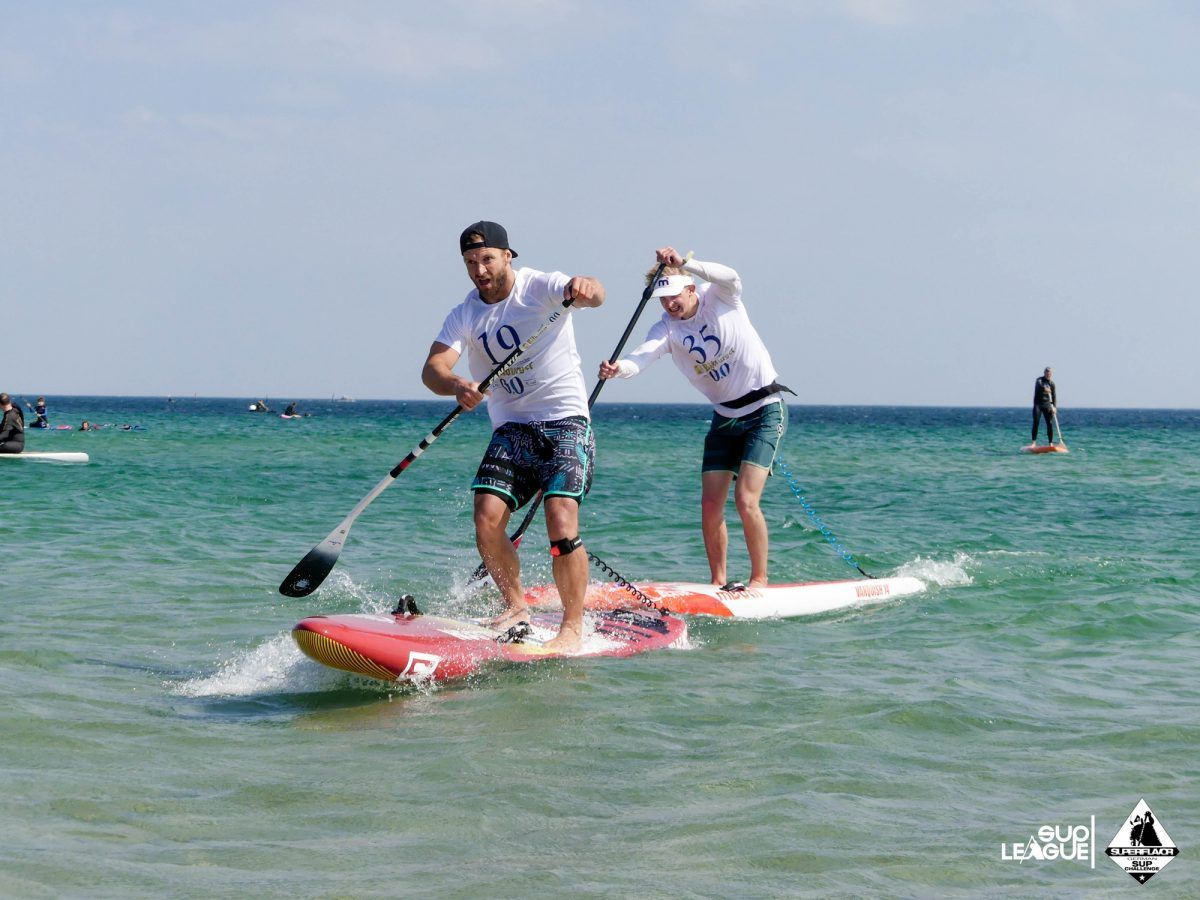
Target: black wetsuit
{"points": [[1045, 400], [12, 431]]}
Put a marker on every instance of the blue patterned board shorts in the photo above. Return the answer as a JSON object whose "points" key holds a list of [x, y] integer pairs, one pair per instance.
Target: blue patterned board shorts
{"points": [[754, 438], [556, 457]]}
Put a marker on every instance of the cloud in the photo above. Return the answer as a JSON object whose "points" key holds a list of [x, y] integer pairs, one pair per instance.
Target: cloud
{"points": [[302, 94], [881, 13], [141, 117], [294, 40], [18, 68]]}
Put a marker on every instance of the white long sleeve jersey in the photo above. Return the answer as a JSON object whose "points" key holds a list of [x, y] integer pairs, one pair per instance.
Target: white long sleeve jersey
{"points": [[717, 349]]}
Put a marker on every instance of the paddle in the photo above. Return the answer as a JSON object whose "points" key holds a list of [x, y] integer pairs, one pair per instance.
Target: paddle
{"points": [[481, 570], [308, 574], [1058, 429]]}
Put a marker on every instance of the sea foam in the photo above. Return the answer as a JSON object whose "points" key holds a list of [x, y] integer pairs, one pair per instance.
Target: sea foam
{"points": [[944, 573], [274, 667]]}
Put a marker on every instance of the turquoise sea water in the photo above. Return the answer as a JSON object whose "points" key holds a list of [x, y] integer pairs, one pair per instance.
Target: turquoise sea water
{"points": [[162, 736]]}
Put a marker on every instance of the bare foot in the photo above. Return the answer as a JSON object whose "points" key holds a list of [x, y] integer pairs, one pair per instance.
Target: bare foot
{"points": [[510, 617], [757, 583], [568, 640]]}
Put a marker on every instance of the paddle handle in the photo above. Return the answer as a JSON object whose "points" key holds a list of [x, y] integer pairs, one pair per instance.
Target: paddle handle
{"points": [[637, 313]]}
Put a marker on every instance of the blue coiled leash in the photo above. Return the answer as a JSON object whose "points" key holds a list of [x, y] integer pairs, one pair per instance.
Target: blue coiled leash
{"points": [[821, 526]]}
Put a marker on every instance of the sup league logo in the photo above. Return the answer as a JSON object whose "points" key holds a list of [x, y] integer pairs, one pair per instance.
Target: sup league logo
{"points": [[1070, 842], [1142, 846]]}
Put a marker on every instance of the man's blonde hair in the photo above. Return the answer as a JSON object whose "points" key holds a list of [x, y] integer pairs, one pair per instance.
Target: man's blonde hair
{"points": [[651, 274]]}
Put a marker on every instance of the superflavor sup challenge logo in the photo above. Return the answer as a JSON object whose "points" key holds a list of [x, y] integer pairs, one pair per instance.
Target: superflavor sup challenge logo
{"points": [[1142, 847]]}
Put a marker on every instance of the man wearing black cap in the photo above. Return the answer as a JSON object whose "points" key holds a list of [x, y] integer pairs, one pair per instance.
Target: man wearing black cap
{"points": [[542, 438]]}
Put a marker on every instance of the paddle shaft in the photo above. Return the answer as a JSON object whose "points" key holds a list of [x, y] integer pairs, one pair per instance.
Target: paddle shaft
{"points": [[308, 574], [637, 313], [1058, 428], [515, 537]]}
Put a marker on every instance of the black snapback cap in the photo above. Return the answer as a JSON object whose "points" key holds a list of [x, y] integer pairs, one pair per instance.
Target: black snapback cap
{"points": [[494, 235]]}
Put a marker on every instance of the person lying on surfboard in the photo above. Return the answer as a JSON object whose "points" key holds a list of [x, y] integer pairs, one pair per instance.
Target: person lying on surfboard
{"points": [[542, 438], [12, 426], [709, 336]]}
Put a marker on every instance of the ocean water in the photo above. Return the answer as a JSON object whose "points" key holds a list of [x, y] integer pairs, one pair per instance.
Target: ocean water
{"points": [[161, 735]]}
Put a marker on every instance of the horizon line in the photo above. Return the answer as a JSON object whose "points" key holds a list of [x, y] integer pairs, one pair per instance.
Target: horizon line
{"points": [[345, 399]]}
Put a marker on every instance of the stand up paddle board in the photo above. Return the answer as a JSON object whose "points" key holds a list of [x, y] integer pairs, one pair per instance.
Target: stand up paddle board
{"points": [[402, 647], [773, 601], [50, 457], [1044, 448]]}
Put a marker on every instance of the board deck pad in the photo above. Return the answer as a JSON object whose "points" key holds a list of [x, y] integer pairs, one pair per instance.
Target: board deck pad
{"points": [[773, 601], [433, 648]]}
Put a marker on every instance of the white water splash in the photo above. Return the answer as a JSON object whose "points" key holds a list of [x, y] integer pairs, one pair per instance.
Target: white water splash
{"points": [[940, 572], [276, 667], [368, 601]]}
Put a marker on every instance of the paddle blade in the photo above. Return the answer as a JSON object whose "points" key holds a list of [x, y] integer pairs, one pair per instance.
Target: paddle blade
{"points": [[312, 570]]}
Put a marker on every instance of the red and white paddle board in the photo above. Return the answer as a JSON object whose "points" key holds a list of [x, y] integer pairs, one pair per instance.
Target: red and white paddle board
{"points": [[1044, 448], [773, 601], [432, 648]]}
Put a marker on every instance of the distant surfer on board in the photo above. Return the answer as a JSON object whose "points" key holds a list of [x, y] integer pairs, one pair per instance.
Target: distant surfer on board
{"points": [[1045, 404], [542, 437], [12, 426], [708, 334], [291, 409]]}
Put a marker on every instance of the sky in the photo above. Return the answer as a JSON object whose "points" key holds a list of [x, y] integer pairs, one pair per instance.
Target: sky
{"points": [[927, 202]]}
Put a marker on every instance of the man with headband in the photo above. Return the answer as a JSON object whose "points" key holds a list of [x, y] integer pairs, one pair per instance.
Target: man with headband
{"points": [[542, 438], [709, 336]]}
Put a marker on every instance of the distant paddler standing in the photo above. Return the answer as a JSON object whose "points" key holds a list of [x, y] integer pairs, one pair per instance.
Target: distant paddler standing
{"points": [[12, 426], [1045, 405], [709, 336]]}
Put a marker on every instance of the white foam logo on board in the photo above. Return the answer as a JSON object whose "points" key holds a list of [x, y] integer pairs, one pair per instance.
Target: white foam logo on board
{"points": [[1142, 847], [1071, 842], [421, 665]]}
